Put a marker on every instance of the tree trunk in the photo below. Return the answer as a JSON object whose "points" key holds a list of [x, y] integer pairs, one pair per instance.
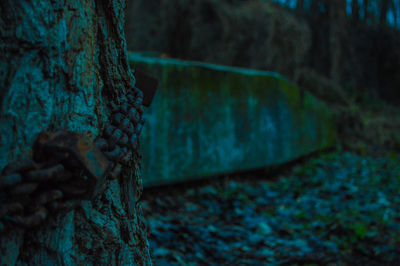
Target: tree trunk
{"points": [[61, 62], [337, 18], [300, 5], [355, 11], [366, 10], [384, 8], [395, 13]]}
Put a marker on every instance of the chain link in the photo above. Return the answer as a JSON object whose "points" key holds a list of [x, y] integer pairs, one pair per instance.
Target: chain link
{"points": [[67, 167]]}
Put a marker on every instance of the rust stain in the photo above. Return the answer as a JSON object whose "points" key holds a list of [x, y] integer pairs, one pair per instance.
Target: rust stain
{"points": [[80, 148]]}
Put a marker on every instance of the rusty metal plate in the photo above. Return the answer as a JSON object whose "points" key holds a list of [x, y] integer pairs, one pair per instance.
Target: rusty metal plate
{"points": [[81, 148], [147, 84]]}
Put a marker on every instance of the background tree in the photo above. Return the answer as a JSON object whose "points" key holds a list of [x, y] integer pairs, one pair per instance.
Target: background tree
{"points": [[366, 10], [61, 62], [395, 9], [384, 8], [337, 16], [355, 11], [300, 5]]}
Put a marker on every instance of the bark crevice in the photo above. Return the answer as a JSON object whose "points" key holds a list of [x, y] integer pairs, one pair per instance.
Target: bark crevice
{"points": [[61, 64]]}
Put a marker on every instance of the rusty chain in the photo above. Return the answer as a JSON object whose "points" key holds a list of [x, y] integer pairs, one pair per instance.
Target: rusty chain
{"points": [[68, 167]]}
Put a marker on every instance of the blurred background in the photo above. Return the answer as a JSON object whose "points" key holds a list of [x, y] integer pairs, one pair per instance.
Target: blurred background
{"points": [[340, 208], [345, 52]]}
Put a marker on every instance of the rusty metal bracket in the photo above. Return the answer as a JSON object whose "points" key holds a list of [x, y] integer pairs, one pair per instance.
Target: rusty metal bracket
{"points": [[147, 84], [81, 150]]}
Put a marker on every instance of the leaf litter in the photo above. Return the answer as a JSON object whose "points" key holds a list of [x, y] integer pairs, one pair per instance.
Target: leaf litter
{"points": [[336, 209]]}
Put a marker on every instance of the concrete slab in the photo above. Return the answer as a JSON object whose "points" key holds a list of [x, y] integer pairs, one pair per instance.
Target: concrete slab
{"points": [[210, 119]]}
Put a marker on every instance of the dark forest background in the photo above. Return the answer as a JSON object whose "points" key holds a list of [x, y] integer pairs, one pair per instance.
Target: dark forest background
{"points": [[344, 52], [341, 208]]}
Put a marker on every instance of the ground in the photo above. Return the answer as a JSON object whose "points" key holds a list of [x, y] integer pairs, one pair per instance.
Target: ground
{"points": [[333, 209]]}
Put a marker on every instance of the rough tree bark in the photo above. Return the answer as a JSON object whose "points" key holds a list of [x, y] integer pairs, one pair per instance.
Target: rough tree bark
{"points": [[61, 62]]}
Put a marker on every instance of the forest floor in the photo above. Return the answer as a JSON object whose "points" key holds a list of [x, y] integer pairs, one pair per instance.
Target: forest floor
{"points": [[335, 209]]}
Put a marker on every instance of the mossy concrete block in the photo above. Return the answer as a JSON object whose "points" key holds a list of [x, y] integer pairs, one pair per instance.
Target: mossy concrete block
{"points": [[209, 119]]}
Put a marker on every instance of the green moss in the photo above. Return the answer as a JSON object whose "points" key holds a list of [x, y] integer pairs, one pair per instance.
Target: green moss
{"points": [[209, 119]]}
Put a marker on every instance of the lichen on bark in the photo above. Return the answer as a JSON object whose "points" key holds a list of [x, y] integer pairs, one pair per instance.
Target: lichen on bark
{"points": [[61, 63]]}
